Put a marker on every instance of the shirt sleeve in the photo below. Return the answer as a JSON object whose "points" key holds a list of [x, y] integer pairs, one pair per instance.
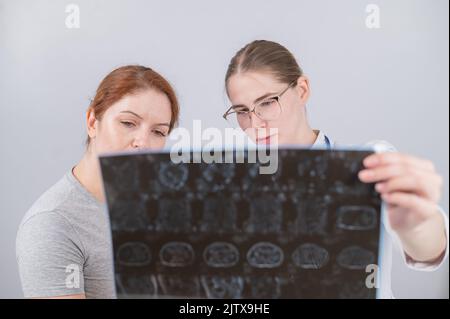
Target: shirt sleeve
{"points": [[383, 146], [50, 257], [429, 266]]}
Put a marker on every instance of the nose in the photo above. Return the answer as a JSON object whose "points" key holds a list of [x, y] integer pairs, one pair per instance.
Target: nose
{"points": [[255, 121], [141, 141], [138, 145]]}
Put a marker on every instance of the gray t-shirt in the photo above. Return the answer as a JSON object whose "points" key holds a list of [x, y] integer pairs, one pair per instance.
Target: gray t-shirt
{"points": [[63, 244]]}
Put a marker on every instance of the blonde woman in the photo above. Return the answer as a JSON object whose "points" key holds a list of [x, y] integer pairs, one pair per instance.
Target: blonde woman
{"points": [[268, 91]]}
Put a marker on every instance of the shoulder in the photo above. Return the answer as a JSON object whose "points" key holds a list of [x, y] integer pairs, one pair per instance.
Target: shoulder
{"points": [[48, 219], [46, 230], [51, 200], [378, 146], [381, 146]]}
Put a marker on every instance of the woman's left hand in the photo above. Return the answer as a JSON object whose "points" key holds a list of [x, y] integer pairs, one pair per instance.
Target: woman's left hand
{"points": [[411, 188]]}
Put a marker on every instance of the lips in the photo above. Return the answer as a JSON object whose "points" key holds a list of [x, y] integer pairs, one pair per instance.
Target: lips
{"points": [[264, 140]]}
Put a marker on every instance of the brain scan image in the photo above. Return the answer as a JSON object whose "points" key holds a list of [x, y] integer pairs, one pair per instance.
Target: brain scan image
{"points": [[219, 215], [265, 255], [221, 255], [223, 287], [173, 176], [226, 231], [266, 215], [310, 256], [215, 177], [177, 254], [174, 215], [135, 254]]}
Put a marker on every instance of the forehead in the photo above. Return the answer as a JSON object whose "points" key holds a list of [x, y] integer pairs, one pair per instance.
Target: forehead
{"points": [[245, 88], [150, 104]]}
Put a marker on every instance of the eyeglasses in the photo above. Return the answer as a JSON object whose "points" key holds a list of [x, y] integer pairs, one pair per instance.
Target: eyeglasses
{"points": [[267, 109]]}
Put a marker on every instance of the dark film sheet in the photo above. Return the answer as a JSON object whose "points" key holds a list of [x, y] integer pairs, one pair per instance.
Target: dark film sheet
{"points": [[223, 230]]}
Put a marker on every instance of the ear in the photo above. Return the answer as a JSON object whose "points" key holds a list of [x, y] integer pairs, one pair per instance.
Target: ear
{"points": [[303, 88], [91, 122]]}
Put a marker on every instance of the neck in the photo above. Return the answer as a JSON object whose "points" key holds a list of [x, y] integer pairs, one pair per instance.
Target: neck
{"points": [[87, 172], [304, 135]]}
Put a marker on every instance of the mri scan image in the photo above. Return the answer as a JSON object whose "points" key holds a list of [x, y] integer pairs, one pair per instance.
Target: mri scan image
{"points": [[226, 231]]}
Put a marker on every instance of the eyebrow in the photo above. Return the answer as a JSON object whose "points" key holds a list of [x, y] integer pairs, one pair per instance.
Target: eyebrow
{"points": [[255, 101], [137, 115], [162, 124]]}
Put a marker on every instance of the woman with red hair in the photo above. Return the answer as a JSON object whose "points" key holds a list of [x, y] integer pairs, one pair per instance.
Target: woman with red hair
{"points": [[63, 244]]}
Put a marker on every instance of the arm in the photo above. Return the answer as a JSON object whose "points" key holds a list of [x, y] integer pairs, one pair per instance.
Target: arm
{"points": [[50, 257], [411, 188]]}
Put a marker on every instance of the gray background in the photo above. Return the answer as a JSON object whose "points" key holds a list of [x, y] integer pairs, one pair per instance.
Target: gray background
{"points": [[389, 83]]}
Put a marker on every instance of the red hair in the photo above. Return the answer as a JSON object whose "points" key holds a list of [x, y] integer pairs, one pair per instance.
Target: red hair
{"points": [[129, 80]]}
